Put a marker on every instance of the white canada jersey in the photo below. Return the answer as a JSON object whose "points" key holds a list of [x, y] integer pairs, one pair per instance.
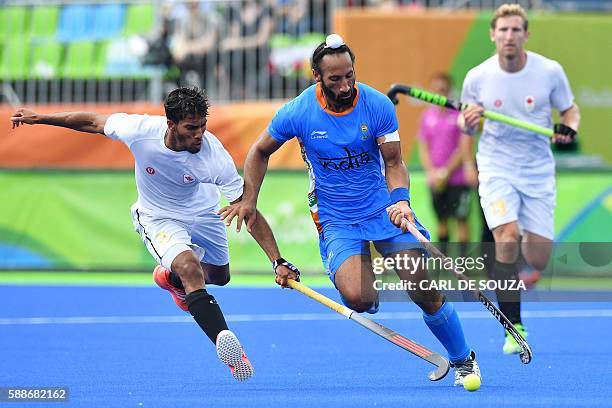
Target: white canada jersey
{"points": [[527, 95], [179, 185]]}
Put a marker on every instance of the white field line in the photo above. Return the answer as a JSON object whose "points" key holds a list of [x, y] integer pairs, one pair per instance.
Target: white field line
{"points": [[269, 317]]}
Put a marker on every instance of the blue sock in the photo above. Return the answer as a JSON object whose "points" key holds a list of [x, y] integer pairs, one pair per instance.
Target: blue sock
{"points": [[445, 325]]}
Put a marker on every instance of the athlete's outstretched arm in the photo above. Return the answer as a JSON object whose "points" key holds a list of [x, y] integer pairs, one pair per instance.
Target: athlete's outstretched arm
{"points": [[398, 180], [255, 167], [82, 121]]}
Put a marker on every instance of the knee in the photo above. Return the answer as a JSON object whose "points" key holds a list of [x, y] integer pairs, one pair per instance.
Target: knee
{"points": [[507, 236], [360, 306], [189, 272], [506, 243], [359, 302], [217, 274], [537, 250], [221, 280], [538, 262]]}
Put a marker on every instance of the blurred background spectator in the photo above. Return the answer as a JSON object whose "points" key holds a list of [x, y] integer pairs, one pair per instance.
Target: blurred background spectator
{"points": [[291, 45], [195, 37], [131, 50], [439, 147], [245, 48]]}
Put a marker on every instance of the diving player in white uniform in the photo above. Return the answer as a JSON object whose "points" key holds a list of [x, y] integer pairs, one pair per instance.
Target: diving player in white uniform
{"points": [[516, 167], [180, 168]]}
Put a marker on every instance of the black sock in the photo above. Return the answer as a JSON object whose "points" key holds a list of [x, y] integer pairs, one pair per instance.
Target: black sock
{"points": [[463, 249], [175, 280], [206, 312], [488, 247], [443, 244], [509, 300]]}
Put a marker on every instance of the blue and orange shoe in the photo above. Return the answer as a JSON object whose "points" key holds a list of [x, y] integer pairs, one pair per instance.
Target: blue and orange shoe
{"points": [[230, 352], [161, 276]]}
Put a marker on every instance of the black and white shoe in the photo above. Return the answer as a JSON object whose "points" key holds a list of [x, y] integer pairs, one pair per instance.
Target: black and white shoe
{"points": [[469, 366]]}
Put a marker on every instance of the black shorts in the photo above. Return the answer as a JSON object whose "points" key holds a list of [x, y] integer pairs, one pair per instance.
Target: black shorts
{"points": [[452, 202]]}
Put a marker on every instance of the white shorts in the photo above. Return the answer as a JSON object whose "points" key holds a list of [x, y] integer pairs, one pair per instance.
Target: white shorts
{"points": [[165, 237], [531, 202]]}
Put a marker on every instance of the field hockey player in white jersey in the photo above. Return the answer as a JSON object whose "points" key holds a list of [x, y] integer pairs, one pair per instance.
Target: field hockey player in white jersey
{"points": [[180, 168], [516, 169]]}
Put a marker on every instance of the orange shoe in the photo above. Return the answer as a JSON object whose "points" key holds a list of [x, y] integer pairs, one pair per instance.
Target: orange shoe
{"points": [[161, 276], [231, 354]]}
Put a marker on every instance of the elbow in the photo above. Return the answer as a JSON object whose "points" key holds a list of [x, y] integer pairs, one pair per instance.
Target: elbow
{"points": [[395, 165], [94, 128], [99, 122], [98, 128], [258, 154], [573, 110], [395, 161], [262, 150], [255, 158]]}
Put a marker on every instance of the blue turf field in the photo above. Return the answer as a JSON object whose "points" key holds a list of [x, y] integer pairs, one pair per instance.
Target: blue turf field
{"points": [[131, 347]]}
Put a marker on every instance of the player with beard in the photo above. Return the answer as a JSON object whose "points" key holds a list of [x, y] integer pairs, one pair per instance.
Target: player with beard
{"points": [[180, 169], [348, 133]]}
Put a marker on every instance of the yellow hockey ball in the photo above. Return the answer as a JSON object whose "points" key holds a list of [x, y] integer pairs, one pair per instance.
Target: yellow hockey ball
{"points": [[471, 382]]}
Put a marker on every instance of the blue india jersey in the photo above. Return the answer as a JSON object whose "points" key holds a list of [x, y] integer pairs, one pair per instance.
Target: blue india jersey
{"points": [[346, 169]]}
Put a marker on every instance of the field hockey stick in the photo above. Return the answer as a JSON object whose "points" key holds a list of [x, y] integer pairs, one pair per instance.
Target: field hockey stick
{"points": [[441, 363], [443, 101], [526, 353]]}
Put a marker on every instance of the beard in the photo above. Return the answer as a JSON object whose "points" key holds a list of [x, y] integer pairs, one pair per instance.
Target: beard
{"points": [[187, 142], [341, 101]]}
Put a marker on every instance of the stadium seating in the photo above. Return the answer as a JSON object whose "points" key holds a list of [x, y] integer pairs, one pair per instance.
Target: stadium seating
{"points": [[80, 59], [71, 40], [13, 22], [14, 62], [139, 19], [109, 20], [44, 22], [76, 23], [46, 59]]}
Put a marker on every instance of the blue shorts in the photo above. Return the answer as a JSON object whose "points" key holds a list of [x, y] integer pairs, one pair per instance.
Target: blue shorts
{"points": [[339, 241]]}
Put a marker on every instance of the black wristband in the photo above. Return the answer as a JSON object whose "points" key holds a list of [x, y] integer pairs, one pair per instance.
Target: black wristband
{"points": [[287, 264], [562, 129]]}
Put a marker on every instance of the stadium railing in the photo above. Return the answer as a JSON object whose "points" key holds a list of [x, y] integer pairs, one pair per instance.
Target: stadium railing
{"points": [[102, 52]]}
